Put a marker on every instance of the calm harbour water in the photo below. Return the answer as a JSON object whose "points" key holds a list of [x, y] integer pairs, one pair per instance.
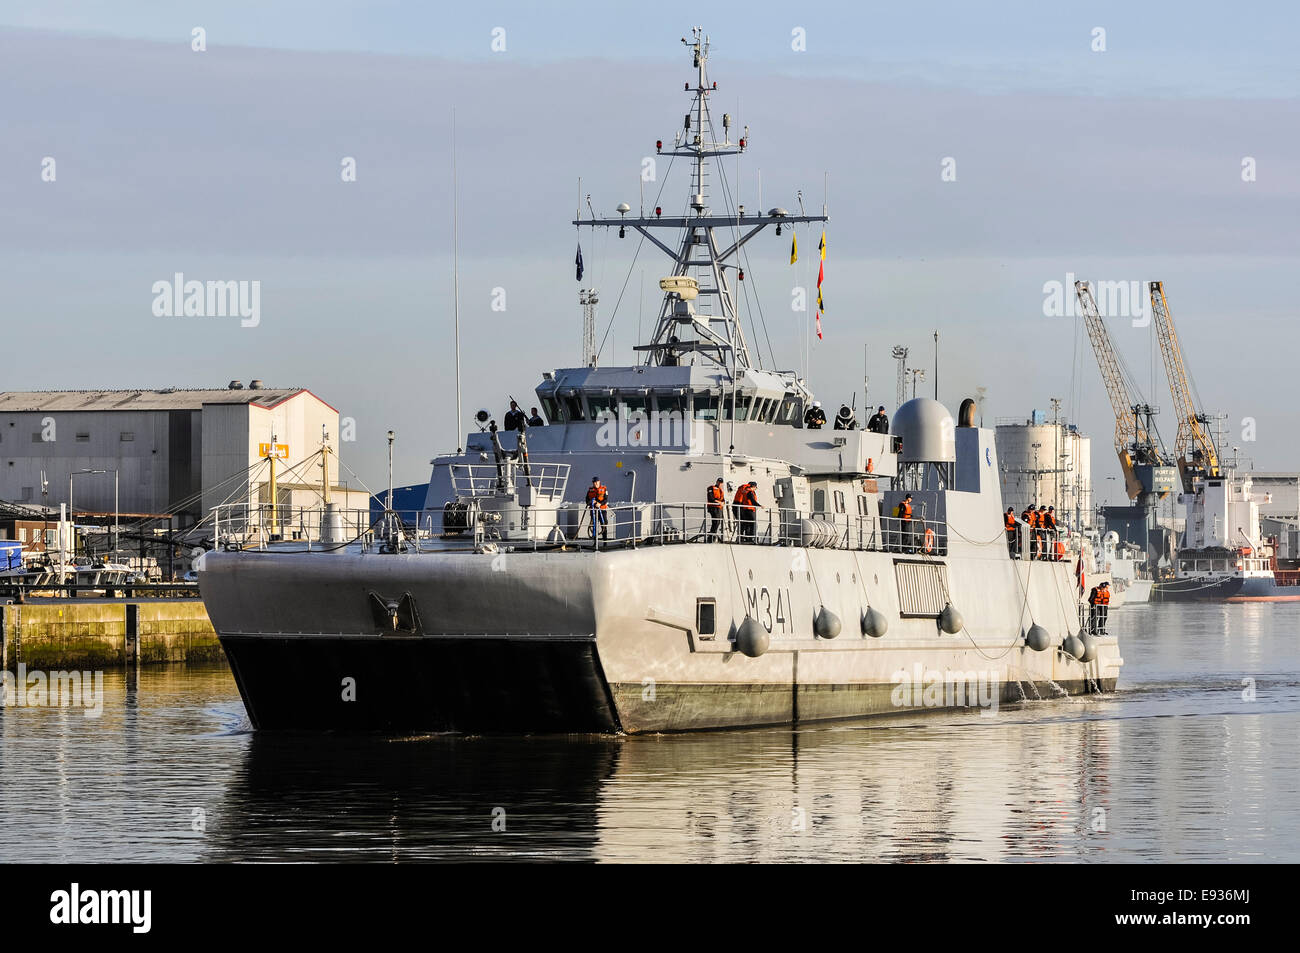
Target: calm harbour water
{"points": [[1181, 766]]}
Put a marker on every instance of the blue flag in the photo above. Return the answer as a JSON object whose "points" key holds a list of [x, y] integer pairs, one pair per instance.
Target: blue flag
{"points": [[578, 261]]}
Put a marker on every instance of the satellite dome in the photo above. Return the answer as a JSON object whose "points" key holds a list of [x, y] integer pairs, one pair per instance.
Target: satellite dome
{"points": [[926, 428]]}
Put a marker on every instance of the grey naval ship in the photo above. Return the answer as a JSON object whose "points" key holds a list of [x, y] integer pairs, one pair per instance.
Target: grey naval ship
{"points": [[513, 602]]}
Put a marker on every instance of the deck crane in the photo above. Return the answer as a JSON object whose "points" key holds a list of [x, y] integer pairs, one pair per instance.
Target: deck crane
{"points": [[1137, 443], [1193, 446]]}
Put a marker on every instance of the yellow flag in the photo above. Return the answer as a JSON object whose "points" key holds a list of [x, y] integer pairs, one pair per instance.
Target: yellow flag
{"points": [[794, 247], [821, 246]]}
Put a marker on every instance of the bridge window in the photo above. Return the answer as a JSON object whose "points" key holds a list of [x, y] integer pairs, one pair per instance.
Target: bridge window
{"points": [[551, 409], [671, 403], [573, 405], [706, 406], [819, 500], [600, 406], [791, 412], [634, 405], [740, 403]]}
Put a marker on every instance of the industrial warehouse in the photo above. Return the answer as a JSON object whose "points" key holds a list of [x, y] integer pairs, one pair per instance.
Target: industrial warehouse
{"points": [[139, 470]]}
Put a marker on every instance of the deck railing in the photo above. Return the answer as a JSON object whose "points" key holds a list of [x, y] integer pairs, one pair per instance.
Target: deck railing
{"points": [[621, 525]]}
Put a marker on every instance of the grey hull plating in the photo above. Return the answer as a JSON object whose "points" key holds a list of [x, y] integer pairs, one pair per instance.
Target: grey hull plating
{"points": [[612, 640]]}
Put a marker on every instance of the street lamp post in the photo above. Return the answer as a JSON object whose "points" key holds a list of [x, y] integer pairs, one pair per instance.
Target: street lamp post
{"points": [[72, 519]]}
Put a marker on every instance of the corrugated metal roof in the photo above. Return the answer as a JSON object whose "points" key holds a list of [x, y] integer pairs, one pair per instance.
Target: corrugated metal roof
{"points": [[47, 401]]}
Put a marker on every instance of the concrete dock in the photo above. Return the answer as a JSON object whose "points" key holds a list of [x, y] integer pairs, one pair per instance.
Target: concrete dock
{"points": [[105, 633]]}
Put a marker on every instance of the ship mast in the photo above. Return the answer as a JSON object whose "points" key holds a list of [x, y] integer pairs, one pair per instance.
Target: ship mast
{"points": [[708, 243]]}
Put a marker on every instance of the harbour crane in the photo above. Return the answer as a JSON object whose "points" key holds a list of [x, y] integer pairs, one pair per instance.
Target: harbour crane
{"points": [[1193, 446], [1142, 457]]}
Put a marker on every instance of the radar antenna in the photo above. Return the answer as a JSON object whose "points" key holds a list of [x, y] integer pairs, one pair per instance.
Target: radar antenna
{"points": [[704, 251]]}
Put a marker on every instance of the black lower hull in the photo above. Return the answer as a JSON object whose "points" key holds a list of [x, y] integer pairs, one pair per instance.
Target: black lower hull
{"points": [[401, 684]]}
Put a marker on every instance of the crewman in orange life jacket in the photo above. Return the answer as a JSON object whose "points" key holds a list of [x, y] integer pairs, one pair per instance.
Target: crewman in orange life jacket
{"points": [[904, 514], [598, 503], [715, 499], [747, 504]]}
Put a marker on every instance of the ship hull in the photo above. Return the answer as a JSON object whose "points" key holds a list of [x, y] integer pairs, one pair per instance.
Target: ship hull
{"points": [[505, 687], [1224, 589], [614, 643]]}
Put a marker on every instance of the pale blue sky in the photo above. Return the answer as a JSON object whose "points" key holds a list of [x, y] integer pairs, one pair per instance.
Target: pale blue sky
{"points": [[1115, 165]]}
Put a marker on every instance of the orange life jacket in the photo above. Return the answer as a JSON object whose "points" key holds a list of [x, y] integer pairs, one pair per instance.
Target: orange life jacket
{"points": [[1010, 521], [904, 510], [716, 496], [1049, 520], [1105, 596], [599, 495], [1036, 520], [746, 498]]}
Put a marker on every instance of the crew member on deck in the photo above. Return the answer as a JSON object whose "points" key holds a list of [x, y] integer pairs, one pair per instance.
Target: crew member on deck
{"points": [[715, 498], [746, 510], [815, 419], [1098, 608], [515, 419], [1049, 531], [598, 504], [1013, 535], [536, 419], [904, 514], [879, 422]]}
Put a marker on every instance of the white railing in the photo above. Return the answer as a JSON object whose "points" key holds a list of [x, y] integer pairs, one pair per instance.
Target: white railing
{"points": [[547, 481], [254, 525], [257, 526], [638, 524]]}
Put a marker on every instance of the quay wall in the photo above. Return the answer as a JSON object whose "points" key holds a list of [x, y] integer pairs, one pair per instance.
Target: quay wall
{"points": [[66, 634]]}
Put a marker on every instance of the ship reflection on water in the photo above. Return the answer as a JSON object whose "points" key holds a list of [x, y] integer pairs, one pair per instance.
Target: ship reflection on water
{"points": [[1196, 759]]}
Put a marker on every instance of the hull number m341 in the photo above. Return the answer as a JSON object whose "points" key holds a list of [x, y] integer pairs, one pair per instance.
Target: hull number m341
{"points": [[771, 607]]}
